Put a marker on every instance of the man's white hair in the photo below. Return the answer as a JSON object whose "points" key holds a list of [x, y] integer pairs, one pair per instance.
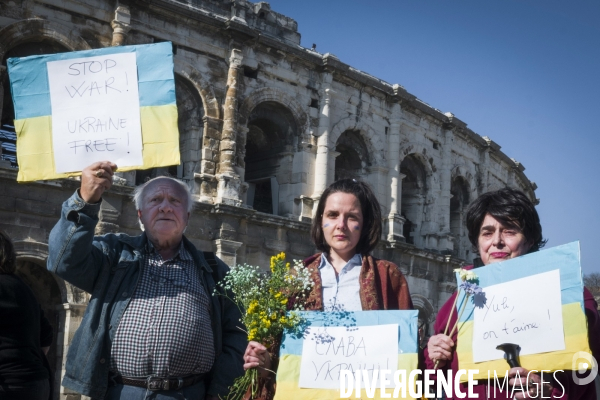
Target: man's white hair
{"points": [[139, 192]]}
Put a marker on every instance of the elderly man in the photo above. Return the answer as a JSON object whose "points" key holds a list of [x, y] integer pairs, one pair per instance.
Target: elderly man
{"points": [[152, 329]]}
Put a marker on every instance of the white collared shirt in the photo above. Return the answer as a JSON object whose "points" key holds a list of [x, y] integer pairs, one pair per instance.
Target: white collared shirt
{"points": [[341, 292]]}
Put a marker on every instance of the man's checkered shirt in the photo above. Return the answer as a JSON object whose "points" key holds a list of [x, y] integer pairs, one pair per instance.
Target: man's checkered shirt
{"points": [[166, 328]]}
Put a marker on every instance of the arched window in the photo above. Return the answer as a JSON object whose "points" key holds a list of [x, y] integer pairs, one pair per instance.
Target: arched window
{"points": [[353, 156], [190, 114], [272, 134], [414, 191], [425, 317], [459, 189], [8, 139]]}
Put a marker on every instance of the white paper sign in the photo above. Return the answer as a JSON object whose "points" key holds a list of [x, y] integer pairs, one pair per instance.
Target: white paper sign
{"points": [[327, 351], [95, 111], [526, 311]]}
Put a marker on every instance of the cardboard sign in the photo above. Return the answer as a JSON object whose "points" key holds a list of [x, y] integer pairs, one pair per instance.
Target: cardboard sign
{"points": [[329, 340], [542, 267], [95, 111], [72, 109], [520, 311], [328, 350]]}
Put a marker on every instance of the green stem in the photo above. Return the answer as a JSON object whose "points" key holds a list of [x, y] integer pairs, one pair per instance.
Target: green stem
{"points": [[240, 385]]}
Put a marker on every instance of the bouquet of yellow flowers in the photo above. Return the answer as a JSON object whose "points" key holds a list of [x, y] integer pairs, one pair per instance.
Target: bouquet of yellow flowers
{"points": [[267, 302]]}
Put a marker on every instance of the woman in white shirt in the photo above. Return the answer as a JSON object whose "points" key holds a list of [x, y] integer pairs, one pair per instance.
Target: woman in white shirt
{"points": [[346, 229]]}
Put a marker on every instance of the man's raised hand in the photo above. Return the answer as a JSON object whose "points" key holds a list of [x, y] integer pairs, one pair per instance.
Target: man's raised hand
{"points": [[95, 180]]}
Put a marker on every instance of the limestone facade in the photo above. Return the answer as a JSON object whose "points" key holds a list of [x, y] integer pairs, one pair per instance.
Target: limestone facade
{"points": [[265, 125]]}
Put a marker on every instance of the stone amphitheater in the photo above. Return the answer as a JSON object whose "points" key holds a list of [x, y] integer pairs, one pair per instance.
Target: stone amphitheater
{"points": [[265, 125]]}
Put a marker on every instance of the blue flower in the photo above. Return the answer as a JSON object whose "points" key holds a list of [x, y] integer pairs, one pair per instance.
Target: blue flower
{"points": [[470, 288]]}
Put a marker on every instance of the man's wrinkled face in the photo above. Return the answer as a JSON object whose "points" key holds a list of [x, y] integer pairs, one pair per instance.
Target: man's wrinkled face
{"points": [[164, 210]]}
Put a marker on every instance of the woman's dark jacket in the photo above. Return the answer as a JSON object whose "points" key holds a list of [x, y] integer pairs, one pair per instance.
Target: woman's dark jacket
{"points": [[23, 332]]}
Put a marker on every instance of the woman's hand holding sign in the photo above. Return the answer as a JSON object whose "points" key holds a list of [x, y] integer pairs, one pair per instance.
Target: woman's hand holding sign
{"points": [[95, 180]]}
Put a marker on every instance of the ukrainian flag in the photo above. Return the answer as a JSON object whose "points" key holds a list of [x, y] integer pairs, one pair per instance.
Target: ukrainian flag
{"points": [[566, 259], [33, 110], [288, 372]]}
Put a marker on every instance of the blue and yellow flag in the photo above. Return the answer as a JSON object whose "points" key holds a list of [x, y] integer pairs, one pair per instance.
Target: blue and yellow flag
{"points": [[291, 351], [562, 261], [31, 90]]}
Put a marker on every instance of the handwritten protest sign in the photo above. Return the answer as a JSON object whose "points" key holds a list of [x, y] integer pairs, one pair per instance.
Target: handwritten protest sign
{"points": [[78, 107], [520, 311], [344, 340], [540, 310], [95, 111], [328, 350]]}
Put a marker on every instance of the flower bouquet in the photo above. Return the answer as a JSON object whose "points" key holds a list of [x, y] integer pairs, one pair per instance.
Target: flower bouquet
{"points": [[267, 302], [469, 285]]}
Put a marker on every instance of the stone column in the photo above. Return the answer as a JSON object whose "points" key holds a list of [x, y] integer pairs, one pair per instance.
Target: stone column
{"points": [[446, 177], [228, 180], [445, 241], [394, 221], [109, 215], [226, 250], [120, 25], [204, 176], [332, 155], [323, 157], [484, 167], [229, 133], [483, 170]]}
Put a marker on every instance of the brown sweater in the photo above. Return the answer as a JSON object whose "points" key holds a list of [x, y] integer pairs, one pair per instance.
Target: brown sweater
{"points": [[382, 287]]}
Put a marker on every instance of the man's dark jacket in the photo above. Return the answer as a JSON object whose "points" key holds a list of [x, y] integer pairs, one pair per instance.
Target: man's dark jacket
{"points": [[109, 267]]}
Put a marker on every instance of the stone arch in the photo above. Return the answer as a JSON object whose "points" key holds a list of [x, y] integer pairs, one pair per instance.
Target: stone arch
{"points": [[459, 201], [367, 133], [420, 151], [417, 187], [277, 96], [426, 315], [202, 85], [193, 123], [353, 156], [271, 127], [467, 175], [463, 190], [37, 252], [37, 29]]}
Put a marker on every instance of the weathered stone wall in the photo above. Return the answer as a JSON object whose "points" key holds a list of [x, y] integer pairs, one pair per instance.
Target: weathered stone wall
{"points": [[264, 122]]}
